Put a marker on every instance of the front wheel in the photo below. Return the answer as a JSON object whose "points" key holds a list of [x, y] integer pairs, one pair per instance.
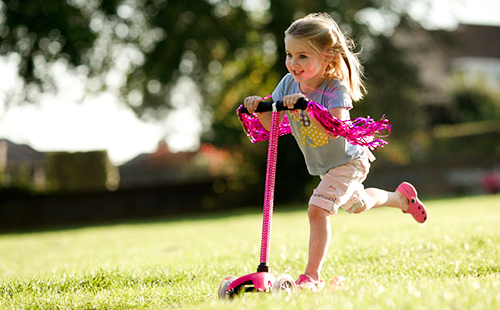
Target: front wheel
{"points": [[223, 288], [284, 283]]}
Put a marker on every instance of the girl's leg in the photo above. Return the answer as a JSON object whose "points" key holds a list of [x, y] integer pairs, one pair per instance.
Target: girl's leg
{"points": [[375, 198], [319, 240]]}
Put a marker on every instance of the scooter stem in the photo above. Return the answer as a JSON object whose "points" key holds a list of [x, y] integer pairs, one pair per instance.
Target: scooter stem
{"points": [[272, 154]]}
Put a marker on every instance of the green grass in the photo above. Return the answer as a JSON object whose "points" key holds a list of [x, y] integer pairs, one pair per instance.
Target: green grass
{"points": [[390, 261]]}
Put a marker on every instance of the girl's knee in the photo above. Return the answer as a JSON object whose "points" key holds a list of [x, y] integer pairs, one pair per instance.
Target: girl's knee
{"points": [[315, 212]]}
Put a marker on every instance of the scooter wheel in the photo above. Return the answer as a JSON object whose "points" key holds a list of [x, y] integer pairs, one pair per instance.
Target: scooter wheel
{"points": [[224, 293], [284, 284]]}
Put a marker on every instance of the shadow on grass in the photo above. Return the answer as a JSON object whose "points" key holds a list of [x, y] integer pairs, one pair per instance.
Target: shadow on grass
{"points": [[198, 216]]}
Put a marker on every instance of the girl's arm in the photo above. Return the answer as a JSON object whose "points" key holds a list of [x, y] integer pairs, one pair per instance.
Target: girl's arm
{"points": [[339, 113]]}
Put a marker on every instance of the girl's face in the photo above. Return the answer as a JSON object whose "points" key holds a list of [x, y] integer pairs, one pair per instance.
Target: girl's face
{"points": [[305, 65]]}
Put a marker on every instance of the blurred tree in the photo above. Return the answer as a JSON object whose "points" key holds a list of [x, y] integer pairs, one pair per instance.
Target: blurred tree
{"points": [[229, 48], [40, 33], [473, 99], [471, 123]]}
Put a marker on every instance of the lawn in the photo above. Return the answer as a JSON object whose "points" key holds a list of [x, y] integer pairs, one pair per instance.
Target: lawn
{"points": [[389, 261]]}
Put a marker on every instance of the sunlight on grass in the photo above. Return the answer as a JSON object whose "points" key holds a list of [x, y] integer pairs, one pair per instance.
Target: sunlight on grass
{"points": [[390, 262]]}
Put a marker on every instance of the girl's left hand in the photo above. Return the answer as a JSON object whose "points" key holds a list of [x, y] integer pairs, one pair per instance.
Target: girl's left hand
{"points": [[290, 100]]}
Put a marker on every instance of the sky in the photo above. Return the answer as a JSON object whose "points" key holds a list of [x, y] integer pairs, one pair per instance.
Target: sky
{"points": [[64, 122], [446, 13]]}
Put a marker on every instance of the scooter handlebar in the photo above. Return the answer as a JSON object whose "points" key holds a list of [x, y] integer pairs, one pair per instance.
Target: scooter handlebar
{"points": [[266, 106]]}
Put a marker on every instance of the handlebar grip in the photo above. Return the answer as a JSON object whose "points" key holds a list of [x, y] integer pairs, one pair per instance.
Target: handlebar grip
{"points": [[266, 106]]}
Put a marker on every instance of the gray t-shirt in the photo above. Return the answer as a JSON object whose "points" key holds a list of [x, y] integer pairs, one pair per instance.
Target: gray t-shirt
{"points": [[321, 153]]}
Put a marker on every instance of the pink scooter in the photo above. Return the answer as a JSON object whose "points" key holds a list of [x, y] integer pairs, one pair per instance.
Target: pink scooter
{"points": [[263, 280]]}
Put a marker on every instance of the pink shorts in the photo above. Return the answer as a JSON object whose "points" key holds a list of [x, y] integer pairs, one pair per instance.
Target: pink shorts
{"points": [[342, 186]]}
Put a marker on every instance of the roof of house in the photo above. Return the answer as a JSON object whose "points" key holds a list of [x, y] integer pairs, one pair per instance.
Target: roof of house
{"points": [[21, 152]]}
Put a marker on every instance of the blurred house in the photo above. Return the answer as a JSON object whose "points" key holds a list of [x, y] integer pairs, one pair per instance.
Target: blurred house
{"points": [[21, 166], [164, 167], [463, 136], [473, 51]]}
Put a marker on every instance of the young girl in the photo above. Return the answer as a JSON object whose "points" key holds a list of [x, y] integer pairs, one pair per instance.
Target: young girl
{"points": [[323, 68]]}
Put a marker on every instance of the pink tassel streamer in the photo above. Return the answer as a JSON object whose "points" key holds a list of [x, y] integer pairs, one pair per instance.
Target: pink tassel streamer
{"points": [[359, 131]]}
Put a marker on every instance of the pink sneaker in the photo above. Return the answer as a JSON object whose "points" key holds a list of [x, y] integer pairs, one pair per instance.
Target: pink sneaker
{"points": [[306, 282], [415, 206]]}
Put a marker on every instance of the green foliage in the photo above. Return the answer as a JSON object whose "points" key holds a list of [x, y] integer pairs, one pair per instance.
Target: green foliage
{"points": [[228, 49], [390, 261], [81, 171], [473, 99], [40, 33], [467, 126]]}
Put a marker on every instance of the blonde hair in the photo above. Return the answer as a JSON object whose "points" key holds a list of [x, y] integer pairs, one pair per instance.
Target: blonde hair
{"points": [[323, 35]]}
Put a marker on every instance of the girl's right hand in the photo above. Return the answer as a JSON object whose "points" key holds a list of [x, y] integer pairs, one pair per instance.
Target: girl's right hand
{"points": [[251, 103], [290, 100]]}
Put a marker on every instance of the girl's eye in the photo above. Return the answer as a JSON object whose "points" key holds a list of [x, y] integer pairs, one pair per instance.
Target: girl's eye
{"points": [[288, 55], [303, 57]]}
